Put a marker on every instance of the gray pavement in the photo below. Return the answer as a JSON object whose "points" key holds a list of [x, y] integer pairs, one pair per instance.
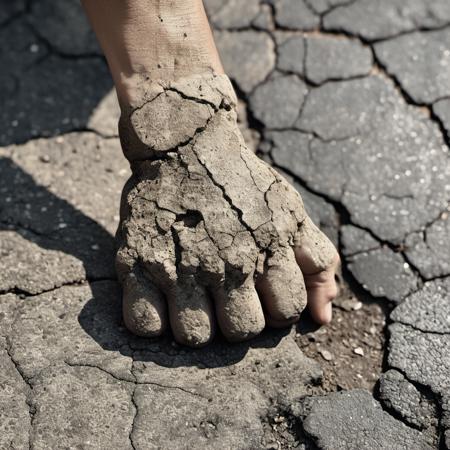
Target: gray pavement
{"points": [[349, 98]]}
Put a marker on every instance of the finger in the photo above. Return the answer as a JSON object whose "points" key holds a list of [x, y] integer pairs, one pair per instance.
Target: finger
{"points": [[191, 312], [144, 307], [281, 288], [238, 309], [318, 261], [321, 290]]}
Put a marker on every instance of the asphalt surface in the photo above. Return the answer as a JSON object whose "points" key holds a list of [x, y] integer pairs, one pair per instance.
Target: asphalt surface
{"points": [[351, 99]]}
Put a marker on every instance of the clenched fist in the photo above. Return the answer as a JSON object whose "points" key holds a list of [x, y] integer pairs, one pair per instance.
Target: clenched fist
{"points": [[210, 234]]}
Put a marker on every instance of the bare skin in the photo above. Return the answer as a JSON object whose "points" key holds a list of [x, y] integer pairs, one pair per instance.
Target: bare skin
{"points": [[163, 60]]}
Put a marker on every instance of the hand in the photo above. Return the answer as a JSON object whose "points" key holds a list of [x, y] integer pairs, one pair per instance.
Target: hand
{"points": [[209, 233]]}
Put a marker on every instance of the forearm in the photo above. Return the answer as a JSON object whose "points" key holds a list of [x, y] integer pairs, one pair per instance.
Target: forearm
{"points": [[155, 39]]}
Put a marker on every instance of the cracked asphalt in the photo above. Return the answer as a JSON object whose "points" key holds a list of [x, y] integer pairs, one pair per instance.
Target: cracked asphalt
{"points": [[348, 98]]}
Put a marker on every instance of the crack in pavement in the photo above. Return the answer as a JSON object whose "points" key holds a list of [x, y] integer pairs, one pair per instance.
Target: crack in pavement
{"points": [[341, 211], [133, 423], [29, 400], [421, 330], [136, 382], [22, 293], [430, 394]]}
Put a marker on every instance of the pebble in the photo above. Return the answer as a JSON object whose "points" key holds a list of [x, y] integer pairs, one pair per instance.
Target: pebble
{"points": [[346, 304], [272, 446], [357, 306], [326, 355], [358, 351], [350, 304]]}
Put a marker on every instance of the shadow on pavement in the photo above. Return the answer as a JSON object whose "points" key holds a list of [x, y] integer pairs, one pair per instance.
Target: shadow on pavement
{"points": [[34, 212], [53, 75]]}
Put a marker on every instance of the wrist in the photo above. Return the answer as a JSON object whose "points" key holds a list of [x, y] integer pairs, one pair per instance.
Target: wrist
{"points": [[158, 40], [170, 113]]}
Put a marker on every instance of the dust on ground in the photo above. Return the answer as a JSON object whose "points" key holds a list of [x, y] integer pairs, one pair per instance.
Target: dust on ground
{"points": [[351, 348], [350, 351]]}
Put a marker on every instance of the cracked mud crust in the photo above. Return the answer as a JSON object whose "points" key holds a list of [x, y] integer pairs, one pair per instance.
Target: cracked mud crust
{"points": [[203, 217]]}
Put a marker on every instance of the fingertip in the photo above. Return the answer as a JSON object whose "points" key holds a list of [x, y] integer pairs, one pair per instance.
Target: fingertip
{"points": [[144, 308], [320, 303], [322, 315]]}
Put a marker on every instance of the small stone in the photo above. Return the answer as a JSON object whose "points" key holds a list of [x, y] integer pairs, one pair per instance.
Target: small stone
{"points": [[326, 355], [358, 351], [347, 304], [357, 306], [44, 158], [272, 446]]}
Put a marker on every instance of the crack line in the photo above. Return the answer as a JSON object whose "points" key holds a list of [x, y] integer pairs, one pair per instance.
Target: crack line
{"points": [[135, 382], [28, 400]]}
